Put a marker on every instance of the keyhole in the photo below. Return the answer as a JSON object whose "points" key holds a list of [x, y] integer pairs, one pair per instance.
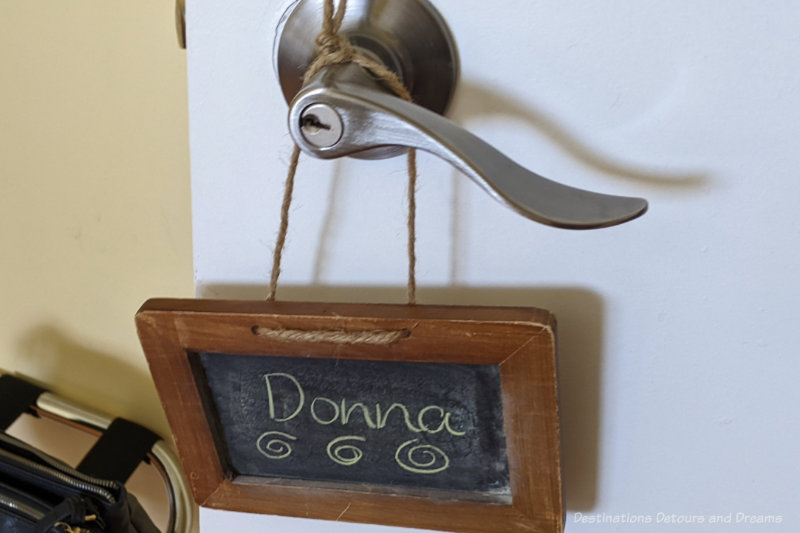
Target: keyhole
{"points": [[321, 125], [312, 125]]}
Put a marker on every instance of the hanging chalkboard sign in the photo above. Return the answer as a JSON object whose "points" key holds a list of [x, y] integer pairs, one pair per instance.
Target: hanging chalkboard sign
{"points": [[430, 417]]}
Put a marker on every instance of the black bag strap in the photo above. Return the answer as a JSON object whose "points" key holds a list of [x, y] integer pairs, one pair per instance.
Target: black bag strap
{"points": [[119, 451], [17, 396]]}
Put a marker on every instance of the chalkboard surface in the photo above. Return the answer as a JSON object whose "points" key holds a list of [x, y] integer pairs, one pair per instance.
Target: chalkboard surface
{"points": [[391, 425]]}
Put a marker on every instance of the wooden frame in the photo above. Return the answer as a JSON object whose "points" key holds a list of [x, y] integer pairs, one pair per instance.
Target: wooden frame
{"points": [[520, 341]]}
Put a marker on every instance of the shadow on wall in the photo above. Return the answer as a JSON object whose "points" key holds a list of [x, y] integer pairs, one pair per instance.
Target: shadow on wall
{"points": [[580, 340], [473, 100]]}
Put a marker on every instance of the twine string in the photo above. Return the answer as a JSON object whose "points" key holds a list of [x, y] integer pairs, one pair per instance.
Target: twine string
{"points": [[333, 48], [283, 229], [373, 337]]}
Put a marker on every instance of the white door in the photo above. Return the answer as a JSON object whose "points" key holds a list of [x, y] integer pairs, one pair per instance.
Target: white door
{"points": [[677, 331]]}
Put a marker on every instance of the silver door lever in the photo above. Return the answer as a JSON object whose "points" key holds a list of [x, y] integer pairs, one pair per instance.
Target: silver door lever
{"points": [[344, 111]]}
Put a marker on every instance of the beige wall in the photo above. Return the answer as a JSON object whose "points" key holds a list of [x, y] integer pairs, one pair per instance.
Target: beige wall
{"points": [[94, 202]]}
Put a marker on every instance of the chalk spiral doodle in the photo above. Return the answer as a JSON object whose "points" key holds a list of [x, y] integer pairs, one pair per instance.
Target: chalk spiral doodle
{"points": [[345, 454], [275, 445], [422, 458]]}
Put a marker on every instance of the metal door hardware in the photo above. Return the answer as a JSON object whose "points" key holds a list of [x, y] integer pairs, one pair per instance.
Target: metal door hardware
{"points": [[345, 111], [180, 22]]}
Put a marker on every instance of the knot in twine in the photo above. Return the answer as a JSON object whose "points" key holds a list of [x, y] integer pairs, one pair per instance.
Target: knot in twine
{"points": [[333, 48]]}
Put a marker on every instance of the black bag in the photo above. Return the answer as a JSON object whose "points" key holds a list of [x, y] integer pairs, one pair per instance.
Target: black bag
{"points": [[41, 494]]}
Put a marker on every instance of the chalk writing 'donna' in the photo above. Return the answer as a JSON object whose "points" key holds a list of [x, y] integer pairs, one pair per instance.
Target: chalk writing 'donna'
{"points": [[410, 456]]}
